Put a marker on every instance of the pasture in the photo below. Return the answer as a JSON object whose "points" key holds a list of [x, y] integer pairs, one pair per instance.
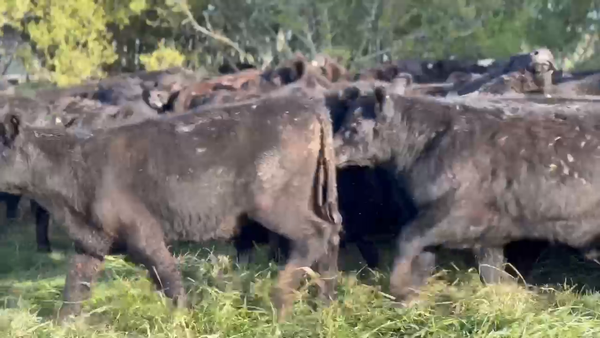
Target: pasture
{"points": [[152, 129], [227, 300]]}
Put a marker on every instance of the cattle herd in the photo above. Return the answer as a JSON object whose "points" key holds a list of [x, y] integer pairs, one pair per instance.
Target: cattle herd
{"points": [[308, 157]]}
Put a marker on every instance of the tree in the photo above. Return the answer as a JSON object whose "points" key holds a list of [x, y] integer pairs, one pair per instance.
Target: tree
{"points": [[69, 37], [78, 39]]}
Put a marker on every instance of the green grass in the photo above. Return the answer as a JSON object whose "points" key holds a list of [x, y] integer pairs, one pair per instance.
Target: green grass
{"points": [[232, 301]]}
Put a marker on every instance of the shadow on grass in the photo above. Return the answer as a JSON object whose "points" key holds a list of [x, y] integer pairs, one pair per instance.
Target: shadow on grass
{"points": [[537, 265], [20, 256]]}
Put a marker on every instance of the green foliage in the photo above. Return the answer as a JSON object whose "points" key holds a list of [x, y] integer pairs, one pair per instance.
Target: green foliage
{"points": [[162, 58], [116, 36], [69, 35], [13, 11], [465, 29], [120, 12]]}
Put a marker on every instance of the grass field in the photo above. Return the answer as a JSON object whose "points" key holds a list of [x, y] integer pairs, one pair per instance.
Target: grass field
{"points": [[232, 301]]}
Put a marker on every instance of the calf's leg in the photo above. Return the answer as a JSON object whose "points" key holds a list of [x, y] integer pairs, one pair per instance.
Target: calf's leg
{"points": [[414, 238], [312, 241], [368, 251], [144, 239], [491, 264], [42, 222], [279, 248], [305, 252], [146, 245], [244, 252], [12, 205], [91, 245], [422, 267], [442, 224], [151, 251], [404, 282], [327, 266], [250, 232], [78, 285]]}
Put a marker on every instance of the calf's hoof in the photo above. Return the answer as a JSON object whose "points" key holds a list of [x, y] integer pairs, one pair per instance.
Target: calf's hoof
{"points": [[243, 260], [409, 275], [327, 297], [180, 302], [402, 288], [327, 292], [405, 295], [282, 301], [490, 275], [68, 312]]}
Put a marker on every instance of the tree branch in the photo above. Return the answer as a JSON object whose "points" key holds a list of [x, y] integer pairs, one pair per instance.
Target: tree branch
{"points": [[190, 17], [6, 66], [309, 40]]}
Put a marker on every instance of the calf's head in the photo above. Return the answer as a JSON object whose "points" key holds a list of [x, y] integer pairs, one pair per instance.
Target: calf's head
{"points": [[358, 141]]}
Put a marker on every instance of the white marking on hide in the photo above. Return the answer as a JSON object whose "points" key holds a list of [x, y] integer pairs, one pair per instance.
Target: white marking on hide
{"points": [[185, 129]]}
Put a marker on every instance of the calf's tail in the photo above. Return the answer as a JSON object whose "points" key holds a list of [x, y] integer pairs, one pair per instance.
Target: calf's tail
{"points": [[327, 196]]}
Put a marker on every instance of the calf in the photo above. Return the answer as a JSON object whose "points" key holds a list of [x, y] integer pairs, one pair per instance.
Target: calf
{"points": [[228, 68], [147, 92], [588, 85], [369, 205], [193, 95], [480, 178], [80, 115], [423, 71], [253, 82], [190, 177], [330, 68], [528, 72], [518, 82]]}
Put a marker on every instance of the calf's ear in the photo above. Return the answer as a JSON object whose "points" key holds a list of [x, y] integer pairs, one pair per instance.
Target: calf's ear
{"points": [[299, 68], [407, 76], [12, 126], [350, 94], [380, 94], [384, 105], [9, 129]]}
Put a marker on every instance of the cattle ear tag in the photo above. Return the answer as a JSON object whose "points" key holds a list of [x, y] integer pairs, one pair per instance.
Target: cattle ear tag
{"points": [[388, 109], [384, 104], [380, 95]]}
